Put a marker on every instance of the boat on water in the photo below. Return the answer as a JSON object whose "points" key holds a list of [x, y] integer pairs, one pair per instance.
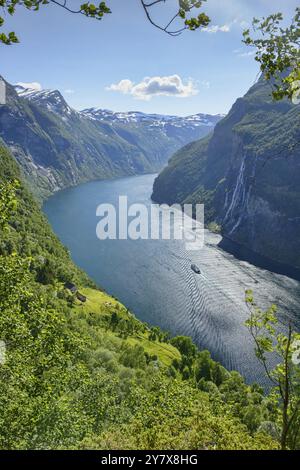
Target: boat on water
{"points": [[196, 269]]}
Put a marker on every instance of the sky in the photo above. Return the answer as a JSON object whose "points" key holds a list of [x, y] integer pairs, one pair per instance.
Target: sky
{"points": [[123, 63]]}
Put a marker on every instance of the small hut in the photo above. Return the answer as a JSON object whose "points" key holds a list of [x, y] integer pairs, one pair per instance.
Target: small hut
{"points": [[82, 298], [71, 287]]}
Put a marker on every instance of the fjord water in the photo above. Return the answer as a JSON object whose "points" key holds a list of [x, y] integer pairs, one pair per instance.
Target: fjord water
{"points": [[154, 279]]}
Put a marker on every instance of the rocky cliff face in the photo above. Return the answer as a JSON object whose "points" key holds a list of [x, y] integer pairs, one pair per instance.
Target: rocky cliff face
{"points": [[247, 173], [57, 146]]}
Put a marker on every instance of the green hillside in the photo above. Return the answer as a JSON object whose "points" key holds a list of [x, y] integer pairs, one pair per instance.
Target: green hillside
{"points": [[90, 375]]}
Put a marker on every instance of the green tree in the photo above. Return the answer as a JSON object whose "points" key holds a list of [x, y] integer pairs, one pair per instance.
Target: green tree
{"points": [[278, 52], [114, 321], [203, 366], [154, 333], [46, 273], [8, 201], [285, 376], [133, 357], [182, 19], [219, 374], [185, 345], [252, 417]]}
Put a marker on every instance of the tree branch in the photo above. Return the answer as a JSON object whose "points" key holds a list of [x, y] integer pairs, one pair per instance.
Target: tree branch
{"points": [[149, 5], [146, 7], [65, 6], [254, 335]]}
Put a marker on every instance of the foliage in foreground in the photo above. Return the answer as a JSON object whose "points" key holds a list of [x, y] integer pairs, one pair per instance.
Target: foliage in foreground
{"points": [[69, 380], [285, 376], [278, 52]]}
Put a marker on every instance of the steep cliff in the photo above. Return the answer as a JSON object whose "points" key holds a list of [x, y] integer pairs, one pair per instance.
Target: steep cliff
{"points": [[247, 172]]}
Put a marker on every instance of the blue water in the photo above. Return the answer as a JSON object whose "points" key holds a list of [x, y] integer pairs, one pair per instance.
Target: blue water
{"points": [[153, 278]]}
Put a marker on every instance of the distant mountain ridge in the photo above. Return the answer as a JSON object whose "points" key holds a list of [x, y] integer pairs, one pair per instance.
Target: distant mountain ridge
{"points": [[55, 102], [177, 128], [195, 120], [58, 146]]}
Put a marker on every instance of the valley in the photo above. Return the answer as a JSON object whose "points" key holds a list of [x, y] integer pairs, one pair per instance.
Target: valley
{"points": [[153, 278]]}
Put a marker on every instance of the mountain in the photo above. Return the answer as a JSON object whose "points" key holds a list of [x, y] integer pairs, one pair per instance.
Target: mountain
{"points": [[58, 146], [247, 173], [181, 129], [52, 100]]}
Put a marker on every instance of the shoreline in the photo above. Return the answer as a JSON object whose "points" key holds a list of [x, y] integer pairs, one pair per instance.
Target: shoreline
{"points": [[244, 253]]}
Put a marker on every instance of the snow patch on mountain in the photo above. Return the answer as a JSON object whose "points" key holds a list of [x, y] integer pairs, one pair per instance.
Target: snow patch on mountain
{"points": [[52, 100], [158, 120]]}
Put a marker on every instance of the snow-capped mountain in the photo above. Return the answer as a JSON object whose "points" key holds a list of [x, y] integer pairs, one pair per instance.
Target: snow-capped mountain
{"points": [[181, 130], [159, 120], [52, 100]]}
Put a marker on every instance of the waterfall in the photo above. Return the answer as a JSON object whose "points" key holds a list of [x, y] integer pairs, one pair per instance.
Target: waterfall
{"points": [[238, 190], [238, 196]]}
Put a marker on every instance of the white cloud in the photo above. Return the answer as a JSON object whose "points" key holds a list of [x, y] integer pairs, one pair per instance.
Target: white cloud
{"points": [[225, 28], [241, 53], [171, 85], [242, 23], [247, 54], [124, 86], [213, 29], [31, 85], [69, 91]]}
